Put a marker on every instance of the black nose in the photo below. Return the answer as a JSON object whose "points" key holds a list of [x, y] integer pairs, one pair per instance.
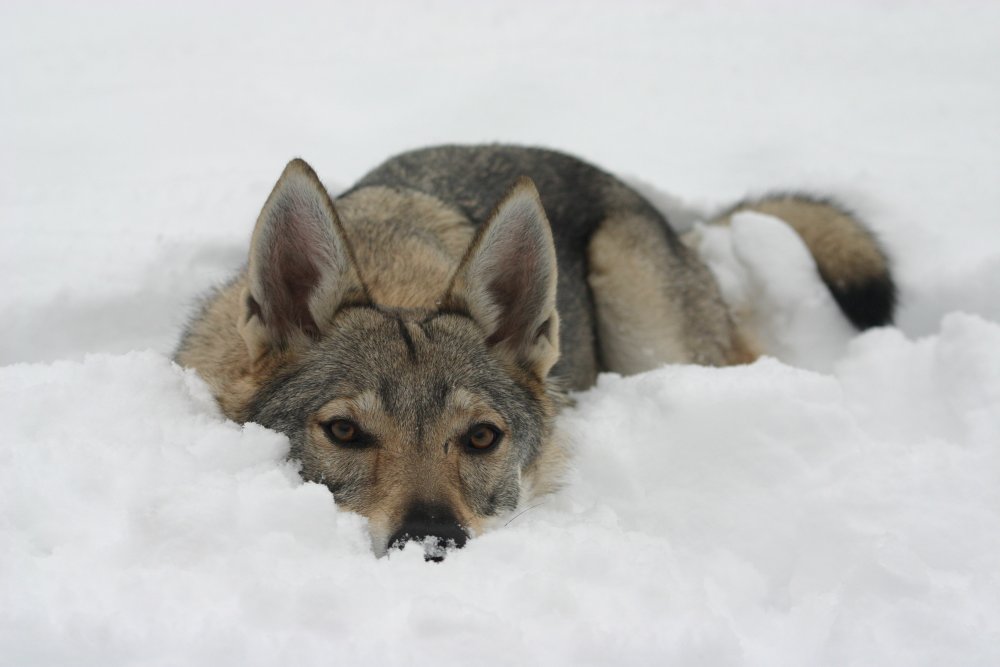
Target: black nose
{"points": [[430, 521]]}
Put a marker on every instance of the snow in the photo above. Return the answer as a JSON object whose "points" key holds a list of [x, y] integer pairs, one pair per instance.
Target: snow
{"points": [[841, 511], [769, 280]]}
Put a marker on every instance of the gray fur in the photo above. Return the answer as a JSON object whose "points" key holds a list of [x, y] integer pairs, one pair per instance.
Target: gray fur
{"points": [[434, 297], [577, 198], [366, 352]]}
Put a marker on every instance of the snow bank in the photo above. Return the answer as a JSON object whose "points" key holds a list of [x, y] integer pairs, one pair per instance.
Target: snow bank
{"points": [[759, 515]]}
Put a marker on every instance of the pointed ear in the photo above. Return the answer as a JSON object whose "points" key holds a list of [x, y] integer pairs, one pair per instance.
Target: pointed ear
{"points": [[300, 267], [507, 280]]}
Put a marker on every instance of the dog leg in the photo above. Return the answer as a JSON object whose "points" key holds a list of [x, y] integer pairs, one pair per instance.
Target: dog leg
{"points": [[656, 302]]}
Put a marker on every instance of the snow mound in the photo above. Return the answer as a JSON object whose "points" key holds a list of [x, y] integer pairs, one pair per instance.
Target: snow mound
{"points": [[760, 515]]}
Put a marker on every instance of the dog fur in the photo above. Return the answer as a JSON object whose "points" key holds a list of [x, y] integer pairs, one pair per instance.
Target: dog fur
{"points": [[450, 299]]}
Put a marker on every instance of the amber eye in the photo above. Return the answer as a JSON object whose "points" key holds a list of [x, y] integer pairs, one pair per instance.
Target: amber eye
{"points": [[346, 433], [482, 438]]}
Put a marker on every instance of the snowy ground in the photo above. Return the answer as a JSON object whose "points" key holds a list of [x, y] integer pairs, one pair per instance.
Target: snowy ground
{"points": [[763, 515]]}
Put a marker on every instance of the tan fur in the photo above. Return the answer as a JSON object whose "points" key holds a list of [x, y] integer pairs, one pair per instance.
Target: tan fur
{"points": [[654, 305], [423, 319], [545, 474], [404, 254], [401, 266], [217, 350], [406, 244], [844, 250], [396, 478], [400, 473]]}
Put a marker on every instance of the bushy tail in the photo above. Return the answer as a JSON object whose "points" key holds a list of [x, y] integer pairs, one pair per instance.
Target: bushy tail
{"points": [[850, 260]]}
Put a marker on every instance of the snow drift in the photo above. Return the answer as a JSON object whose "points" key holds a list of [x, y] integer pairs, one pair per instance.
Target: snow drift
{"points": [[760, 514]]}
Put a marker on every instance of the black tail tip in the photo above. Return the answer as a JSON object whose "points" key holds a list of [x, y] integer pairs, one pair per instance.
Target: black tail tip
{"points": [[867, 303]]}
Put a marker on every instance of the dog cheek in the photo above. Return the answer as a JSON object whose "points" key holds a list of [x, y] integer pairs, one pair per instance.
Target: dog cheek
{"points": [[504, 498], [348, 476], [492, 489]]}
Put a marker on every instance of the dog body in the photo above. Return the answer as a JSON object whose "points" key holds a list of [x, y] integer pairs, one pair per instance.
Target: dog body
{"points": [[414, 337]]}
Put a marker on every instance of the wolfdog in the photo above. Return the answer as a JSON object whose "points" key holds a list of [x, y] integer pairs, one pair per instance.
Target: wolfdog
{"points": [[416, 336]]}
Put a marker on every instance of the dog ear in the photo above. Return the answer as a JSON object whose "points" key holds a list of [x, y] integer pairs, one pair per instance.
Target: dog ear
{"points": [[300, 267], [507, 280]]}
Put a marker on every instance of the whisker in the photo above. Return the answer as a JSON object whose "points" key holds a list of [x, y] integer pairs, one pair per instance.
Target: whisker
{"points": [[527, 509]]}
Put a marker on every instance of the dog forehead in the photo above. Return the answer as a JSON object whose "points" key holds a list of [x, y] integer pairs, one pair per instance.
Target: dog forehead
{"points": [[414, 366], [406, 356], [408, 338]]}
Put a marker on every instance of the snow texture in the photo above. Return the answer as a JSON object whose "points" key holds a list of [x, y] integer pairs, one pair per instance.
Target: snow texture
{"points": [[839, 507]]}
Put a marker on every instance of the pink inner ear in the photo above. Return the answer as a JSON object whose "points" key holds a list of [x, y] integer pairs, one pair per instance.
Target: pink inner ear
{"points": [[290, 276], [516, 291]]}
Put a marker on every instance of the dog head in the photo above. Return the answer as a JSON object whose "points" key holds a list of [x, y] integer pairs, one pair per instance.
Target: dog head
{"points": [[428, 421]]}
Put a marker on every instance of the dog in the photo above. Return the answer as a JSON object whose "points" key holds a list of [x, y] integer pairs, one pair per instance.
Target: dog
{"points": [[416, 337]]}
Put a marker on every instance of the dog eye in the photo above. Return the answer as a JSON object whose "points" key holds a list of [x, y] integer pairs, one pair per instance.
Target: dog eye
{"points": [[482, 438], [345, 432]]}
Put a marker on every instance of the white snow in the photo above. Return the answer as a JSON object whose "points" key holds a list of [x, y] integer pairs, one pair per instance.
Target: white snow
{"points": [[760, 515], [769, 280]]}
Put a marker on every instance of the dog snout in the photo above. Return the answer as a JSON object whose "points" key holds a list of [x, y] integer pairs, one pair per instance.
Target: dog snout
{"points": [[435, 526]]}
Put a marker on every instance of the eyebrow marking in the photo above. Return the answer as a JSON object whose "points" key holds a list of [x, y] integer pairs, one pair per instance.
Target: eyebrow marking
{"points": [[411, 348], [368, 402], [464, 400]]}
